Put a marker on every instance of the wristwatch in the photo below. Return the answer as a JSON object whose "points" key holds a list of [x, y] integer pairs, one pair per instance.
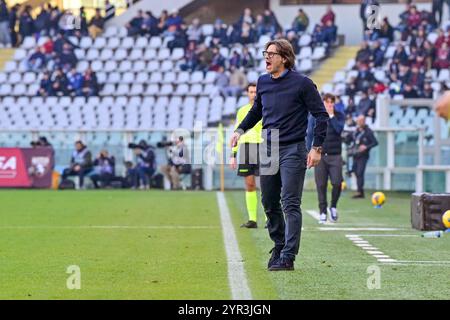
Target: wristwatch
{"points": [[318, 149]]}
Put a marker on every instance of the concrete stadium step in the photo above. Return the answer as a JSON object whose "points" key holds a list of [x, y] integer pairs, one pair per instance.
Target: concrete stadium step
{"points": [[338, 61], [6, 54]]}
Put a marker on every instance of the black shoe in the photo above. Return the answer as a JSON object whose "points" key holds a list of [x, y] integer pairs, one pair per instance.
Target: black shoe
{"points": [[282, 264], [250, 225], [275, 251], [358, 196]]}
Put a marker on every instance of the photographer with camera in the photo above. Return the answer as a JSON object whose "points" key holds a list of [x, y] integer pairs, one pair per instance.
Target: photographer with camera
{"points": [[178, 162], [103, 170], [80, 163], [145, 165], [362, 141]]}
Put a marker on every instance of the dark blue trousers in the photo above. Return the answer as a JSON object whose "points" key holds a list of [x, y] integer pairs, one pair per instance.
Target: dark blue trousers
{"points": [[285, 185]]}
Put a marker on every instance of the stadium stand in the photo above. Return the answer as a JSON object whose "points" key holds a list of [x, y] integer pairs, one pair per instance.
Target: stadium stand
{"points": [[135, 82]]}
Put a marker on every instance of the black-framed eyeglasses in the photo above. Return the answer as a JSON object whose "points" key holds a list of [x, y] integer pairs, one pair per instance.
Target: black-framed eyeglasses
{"points": [[269, 54]]}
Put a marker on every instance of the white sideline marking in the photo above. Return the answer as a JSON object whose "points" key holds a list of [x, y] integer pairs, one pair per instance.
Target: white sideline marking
{"points": [[313, 214], [390, 235], [236, 272], [358, 229], [432, 262], [108, 227], [358, 241]]}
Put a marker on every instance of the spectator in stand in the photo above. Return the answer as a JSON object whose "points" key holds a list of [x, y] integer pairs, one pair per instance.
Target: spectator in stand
{"points": [[409, 92], [66, 23], [425, 57], [377, 55], [59, 83], [366, 106], [222, 81], [37, 60], [41, 24], [162, 21], [293, 40], [54, 18], [67, 59], [90, 83], [248, 61], [75, 84], [218, 60], [45, 86], [235, 60], [174, 21], [400, 54], [418, 39], [317, 36], [329, 16], [301, 21], [246, 17], [80, 163], [205, 57], [134, 26], [179, 39], [386, 32], [442, 57], [150, 24], [414, 19], [103, 170], [351, 89], [260, 27], [238, 81], [194, 31], [83, 24], [5, 36], [442, 38], [220, 32], [247, 35], [190, 58], [26, 23], [110, 10], [329, 33], [363, 56], [13, 16], [416, 78], [271, 24], [427, 92], [365, 78], [96, 24], [404, 73]]}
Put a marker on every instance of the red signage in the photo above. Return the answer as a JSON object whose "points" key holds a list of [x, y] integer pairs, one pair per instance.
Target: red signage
{"points": [[27, 167]]}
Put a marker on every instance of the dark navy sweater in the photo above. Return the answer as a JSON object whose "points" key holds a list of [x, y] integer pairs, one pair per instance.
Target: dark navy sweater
{"points": [[283, 103]]}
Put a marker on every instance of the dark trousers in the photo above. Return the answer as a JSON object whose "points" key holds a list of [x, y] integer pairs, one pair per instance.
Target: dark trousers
{"points": [[437, 8], [329, 166], [285, 185], [103, 178], [141, 176], [70, 172], [359, 168]]}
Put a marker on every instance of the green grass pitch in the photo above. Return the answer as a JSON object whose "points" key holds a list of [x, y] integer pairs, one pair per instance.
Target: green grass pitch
{"points": [[169, 245]]}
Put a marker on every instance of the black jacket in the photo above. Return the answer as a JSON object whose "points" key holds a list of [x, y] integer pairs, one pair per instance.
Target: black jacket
{"points": [[364, 136], [333, 141]]}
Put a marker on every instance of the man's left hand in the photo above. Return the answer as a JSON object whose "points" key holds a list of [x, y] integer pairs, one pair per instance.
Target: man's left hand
{"points": [[313, 158]]}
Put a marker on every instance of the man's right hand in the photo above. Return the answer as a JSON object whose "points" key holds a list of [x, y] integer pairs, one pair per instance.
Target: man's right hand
{"points": [[443, 106], [233, 163], [235, 139]]}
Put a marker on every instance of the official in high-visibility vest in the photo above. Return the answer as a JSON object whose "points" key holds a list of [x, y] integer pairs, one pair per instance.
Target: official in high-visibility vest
{"points": [[248, 164]]}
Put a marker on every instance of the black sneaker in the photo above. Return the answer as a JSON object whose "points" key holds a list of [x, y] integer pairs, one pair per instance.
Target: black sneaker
{"points": [[250, 225], [282, 264], [274, 257], [358, 196]]}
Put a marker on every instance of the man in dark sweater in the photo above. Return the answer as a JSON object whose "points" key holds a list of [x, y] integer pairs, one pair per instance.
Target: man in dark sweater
{"points": [[331, 162], [363, 141], [283, 100]]}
